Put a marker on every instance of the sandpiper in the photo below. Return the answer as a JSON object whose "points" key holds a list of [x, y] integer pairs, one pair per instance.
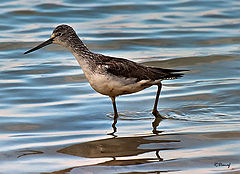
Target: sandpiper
{"points": [[107, 75]]}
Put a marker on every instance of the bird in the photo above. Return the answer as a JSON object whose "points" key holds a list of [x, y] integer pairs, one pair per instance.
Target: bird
{"points": [[111, 76]]}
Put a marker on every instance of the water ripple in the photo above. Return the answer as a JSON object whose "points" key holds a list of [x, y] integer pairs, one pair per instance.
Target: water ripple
{"points": [[52, 120]]}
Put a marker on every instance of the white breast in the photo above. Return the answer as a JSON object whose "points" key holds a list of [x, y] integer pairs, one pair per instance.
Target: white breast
{"points": [[114, 86]]}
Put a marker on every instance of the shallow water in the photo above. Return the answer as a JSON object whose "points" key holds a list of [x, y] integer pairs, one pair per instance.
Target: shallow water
{"points": [[52, 121]]}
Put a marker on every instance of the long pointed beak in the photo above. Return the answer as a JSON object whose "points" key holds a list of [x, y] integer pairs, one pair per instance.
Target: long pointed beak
{"points": [[47, 42]]}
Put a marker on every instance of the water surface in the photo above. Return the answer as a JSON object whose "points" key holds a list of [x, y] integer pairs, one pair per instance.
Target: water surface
{"points": [[52, 121]]}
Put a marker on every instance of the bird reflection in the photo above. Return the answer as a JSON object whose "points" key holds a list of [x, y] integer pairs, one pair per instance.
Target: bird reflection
{"points": [[118, 147], [101, 148], [29, 152], [122, 151]]}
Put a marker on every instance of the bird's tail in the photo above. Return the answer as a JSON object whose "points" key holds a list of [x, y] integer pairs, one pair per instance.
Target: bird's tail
{"points": [[168, 74]]}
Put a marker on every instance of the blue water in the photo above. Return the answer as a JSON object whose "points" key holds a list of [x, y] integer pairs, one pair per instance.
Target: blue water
{"points": [[51, 120]]}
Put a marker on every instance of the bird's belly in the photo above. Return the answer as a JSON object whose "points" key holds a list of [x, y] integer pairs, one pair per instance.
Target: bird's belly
{"points": [[115, 86]]}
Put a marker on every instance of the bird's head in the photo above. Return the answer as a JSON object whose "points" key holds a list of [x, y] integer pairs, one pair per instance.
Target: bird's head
{"points": [[60, 35]]}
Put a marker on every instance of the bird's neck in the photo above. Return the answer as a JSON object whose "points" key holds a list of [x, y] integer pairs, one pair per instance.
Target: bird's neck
{"points": [[80, 51], [78, 48], [76, 45]]}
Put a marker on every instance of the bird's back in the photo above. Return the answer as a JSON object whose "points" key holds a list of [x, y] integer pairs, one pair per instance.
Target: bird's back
{"points": [[125, 68]]}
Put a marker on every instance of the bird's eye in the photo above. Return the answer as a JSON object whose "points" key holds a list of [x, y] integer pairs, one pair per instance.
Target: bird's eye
{"points": [[59, 34]]}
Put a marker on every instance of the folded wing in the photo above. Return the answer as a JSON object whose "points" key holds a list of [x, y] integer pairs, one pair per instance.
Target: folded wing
{"points": [[129, 69]]}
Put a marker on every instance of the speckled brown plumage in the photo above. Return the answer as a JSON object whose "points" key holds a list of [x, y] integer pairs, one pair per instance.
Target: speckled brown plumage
{"points": [[110, 75]]}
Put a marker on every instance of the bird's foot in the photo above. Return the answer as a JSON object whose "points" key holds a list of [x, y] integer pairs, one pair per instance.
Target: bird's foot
{"points": [[158, 115], [156, 132], [114, 126], [113, 133], [155, 124]]}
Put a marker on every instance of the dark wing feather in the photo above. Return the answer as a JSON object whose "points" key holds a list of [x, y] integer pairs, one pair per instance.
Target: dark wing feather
{"points": [[167, 73], [129, 69]]}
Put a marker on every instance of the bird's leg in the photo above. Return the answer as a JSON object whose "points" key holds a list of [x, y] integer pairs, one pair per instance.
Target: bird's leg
{"points": [[155, 111], [114, 107], [115, 115]]}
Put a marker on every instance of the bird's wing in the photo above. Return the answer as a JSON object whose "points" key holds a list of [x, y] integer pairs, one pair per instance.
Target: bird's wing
{"points": [[129, 69], [124, 68]]}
